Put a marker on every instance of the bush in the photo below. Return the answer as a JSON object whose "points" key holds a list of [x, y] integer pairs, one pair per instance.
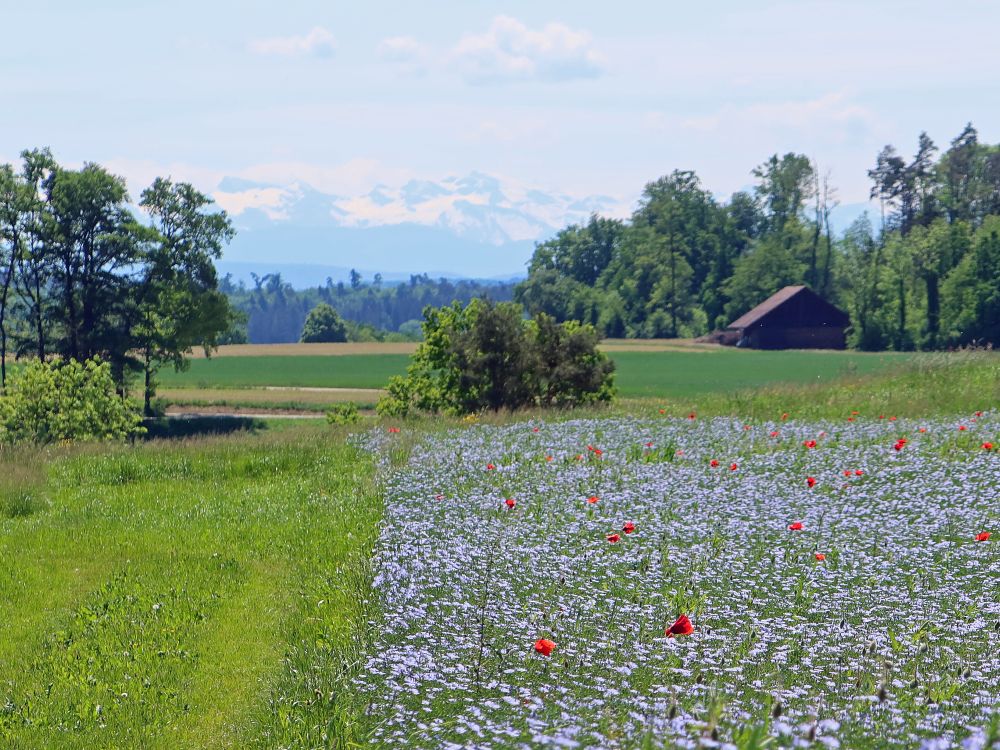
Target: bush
{"points": [[53, 401], [344, 413], [488, 357]]}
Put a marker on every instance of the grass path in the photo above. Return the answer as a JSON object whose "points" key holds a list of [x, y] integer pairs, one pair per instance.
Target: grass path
{"points": [[164, 595]]}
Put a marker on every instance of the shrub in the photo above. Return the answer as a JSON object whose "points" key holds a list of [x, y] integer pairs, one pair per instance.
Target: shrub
{"points": [[53, 401], [344, 413], [488, 357]]}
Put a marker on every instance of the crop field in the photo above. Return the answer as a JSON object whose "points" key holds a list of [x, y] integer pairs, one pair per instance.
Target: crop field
{"points": [[641, 372], [190, 595], [839, 578]]}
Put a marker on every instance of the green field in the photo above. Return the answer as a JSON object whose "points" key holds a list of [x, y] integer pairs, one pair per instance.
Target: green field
{"points": [[653, 374], [198, 594]]}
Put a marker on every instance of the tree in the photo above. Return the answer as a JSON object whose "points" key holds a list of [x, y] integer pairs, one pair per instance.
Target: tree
{"points": [[971, 292], [14, 198], [786, 183], [486, 356], [177, 303], [323, 325]]}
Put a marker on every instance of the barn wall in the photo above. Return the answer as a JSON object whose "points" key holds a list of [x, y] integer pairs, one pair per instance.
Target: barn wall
{"points": [[798, 337]]}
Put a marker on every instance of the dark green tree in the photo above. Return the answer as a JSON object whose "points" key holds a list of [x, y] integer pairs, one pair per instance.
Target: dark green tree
{"points": [[323, 325]]}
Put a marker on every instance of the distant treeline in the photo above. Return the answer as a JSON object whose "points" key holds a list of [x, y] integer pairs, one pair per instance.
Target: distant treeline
{"points": [[273, 312], [924, 273]]}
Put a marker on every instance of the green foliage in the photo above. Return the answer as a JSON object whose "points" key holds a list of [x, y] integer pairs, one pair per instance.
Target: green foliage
{"points": [[323, 325], [487, 357], [58, 401], [345, 412]]}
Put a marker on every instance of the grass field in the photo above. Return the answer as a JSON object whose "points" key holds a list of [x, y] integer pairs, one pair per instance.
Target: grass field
{"points": [[649, 371], [199, 594]]}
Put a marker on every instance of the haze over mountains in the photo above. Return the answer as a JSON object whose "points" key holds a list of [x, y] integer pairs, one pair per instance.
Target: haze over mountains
{"points": [[473, 226]]}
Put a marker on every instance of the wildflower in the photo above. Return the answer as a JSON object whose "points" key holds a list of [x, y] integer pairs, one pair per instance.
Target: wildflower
{"points": [[858, 472], [649, 444], [987, 446], [746, 427], [490, 467], [809, 443], [579, 456], [847, 472], [898, 445], [811, 481], [922, 429], [613, 538], [784, 416], [892, 419], [820, 557], [629, 527], [593, 499], [983, 537], [734, 466], [544, 646], [962, 428], [979, 414], [393, 429], [439, 497], [797, 526], [692, 415], [534, 429], [548, 458], [510, 502], [663, 411], [714, 463], [850, 419], [774, 433], [682, 626]]}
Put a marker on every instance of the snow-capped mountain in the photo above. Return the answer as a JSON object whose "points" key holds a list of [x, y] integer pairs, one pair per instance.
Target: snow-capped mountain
{"points": [[473, 226]]}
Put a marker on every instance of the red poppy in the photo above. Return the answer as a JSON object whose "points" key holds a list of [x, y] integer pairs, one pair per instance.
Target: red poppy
{"points": [[593, 499], [987, 446], [774, 433], [393, 429], [858, 472], [629, 527], [534, 429], [820, 557], [962, 428], [922, 429], [784, 416], [713, 463], [682, 626], [898, 445], [881, 416], [548, 458], [613, 538], [439, 497], [544, 646], [855, 413], [809, 443], [847, 472], [649, 444], [850, 419], [733, 466], [746, 427], [979, 414], [663, 411], [892, 419], [692, 415], [490, 467], [797, 526], [811, 481], [510, 502], [983, 537]]}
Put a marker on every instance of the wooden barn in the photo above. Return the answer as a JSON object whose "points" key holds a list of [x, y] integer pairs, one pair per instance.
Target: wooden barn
{"points": [[793, 318]]}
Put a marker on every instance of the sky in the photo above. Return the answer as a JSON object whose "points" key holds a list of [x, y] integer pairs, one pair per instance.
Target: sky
{"points": [[586, 97]]}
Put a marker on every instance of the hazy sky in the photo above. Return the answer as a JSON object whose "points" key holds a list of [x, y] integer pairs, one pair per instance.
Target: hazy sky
{"points": [[583, 96]]}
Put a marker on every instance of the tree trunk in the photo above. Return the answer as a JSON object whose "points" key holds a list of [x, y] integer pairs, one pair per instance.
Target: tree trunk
{"points": [[933, 310], [147, 391]]}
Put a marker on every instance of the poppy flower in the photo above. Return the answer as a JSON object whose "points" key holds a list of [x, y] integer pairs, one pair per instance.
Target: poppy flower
{"points": [[979, 414], [858, 472], [534, 429], [962, 428], [811, 481], [820, 557], [548, 458], [649, 444], [393, 429], [593, 499], [663, 411], [746, 427], [682, 626], [797, 526], [733, 467], [983, 537], [987, 446], [922, 429], [809, 443], [579, 456], [692, 415], [898, 445], [629, 527], [613, 538], [510, 502], [850, 419], [892, 419], [774, 433], [544, 646], [439, 497], [490, 467], [713, 463], [784, 416], [881, 416], [855, 413]]}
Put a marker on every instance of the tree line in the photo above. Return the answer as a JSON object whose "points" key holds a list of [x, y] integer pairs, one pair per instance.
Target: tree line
{"points": [[82, 276], [274, 312], [925, 275]]}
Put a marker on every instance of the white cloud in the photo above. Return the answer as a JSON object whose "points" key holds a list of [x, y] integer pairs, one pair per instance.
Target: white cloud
{"points": [[510, 51], [317, 43], [406, 53]]}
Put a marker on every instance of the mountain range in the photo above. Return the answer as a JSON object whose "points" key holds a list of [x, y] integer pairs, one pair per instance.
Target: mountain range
{"points": [[474, 226]]}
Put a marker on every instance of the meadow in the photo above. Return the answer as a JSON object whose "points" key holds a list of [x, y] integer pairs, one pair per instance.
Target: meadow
{"points": [[206, 593]]}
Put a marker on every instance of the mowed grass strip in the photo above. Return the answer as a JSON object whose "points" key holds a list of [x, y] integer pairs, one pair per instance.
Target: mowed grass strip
{"points": [[656, 373], [164, 595]]}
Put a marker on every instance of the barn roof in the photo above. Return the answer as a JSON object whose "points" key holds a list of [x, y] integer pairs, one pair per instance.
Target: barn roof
{"points": [[778, 299]]}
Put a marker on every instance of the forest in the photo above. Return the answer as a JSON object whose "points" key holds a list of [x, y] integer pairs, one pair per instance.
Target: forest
{"points": [[273, 312], [924, 273]]}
